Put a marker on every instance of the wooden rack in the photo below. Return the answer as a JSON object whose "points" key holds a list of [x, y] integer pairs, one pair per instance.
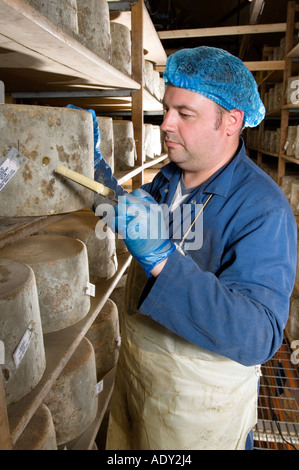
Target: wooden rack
{"points": [[290, 66], [40, 64]]}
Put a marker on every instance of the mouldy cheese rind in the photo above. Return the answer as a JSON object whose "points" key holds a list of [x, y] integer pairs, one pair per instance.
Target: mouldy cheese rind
{"points": [[60, 265], [19, 317], [48, 137]]}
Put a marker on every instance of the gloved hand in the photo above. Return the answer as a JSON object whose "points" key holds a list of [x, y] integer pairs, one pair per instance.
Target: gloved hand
{"points": [[140, 221], [96, 135]]}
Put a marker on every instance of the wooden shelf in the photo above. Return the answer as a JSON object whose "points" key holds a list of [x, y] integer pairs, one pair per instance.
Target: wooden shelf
{"points": [[277, 155], [294, 52], [59, 347], [13, 229], [37, 55], [83, 99], [123, 176]]}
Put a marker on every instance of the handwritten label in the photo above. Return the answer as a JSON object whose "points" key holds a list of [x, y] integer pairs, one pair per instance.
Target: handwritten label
{"points": [[10, 166], [22, 346]]}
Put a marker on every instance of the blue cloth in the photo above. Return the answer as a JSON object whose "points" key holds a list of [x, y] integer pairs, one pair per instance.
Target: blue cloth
{"points": [[231, 296], [219, 76]]}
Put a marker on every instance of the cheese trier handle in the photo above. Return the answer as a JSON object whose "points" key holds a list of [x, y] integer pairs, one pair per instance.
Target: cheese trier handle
{"points": [[89, 183]]}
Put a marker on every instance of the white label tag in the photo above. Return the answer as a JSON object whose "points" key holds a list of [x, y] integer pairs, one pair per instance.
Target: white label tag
{"points": [[2, 92], [91, 289], [286, 145], [99, 387], [22, 346], [10, 166], [2, 353]]}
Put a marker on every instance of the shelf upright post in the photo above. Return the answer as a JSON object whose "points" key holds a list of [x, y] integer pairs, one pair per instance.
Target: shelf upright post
{"points": [[137, 96], [5, 439], [286, 75]]}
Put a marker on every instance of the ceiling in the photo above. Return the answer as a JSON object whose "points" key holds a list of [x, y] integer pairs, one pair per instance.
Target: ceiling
{"points": [[190, 14]]}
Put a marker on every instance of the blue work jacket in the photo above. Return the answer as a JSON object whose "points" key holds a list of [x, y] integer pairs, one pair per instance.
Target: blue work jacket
{"points": [[230, 296]]}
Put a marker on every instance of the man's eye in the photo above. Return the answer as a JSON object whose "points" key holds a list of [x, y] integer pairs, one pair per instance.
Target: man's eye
{"points": [[185, 116]]}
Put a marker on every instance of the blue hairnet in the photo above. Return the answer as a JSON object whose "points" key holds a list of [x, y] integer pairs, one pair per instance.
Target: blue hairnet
{"points": [[219, 76]]}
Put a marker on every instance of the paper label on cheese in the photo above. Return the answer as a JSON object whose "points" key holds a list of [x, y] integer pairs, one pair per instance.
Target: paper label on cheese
{"points": [[91, 289], [22, 346], [12, 163], [99, 387]]}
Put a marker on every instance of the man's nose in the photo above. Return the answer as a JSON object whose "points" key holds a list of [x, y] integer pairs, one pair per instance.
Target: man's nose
{"points": [[168, 123]]}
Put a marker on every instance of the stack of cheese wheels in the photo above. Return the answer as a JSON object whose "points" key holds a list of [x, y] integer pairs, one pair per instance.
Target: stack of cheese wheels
{"points": [[121, 57], [148, 76], [124, 145], [47, 137], [72, 400], [62, 13], [39, 433], [105, 338], [107, 140], [101, 250], [157, 143], [148, 141], [60, 265], [94, 27], [20, 330], [156, 84]]}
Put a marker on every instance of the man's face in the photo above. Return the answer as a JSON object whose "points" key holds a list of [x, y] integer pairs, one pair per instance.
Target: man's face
{"points": [[194, 138]]}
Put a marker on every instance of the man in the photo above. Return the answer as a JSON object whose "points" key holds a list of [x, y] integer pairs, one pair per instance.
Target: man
{"points": [[199, 322]]}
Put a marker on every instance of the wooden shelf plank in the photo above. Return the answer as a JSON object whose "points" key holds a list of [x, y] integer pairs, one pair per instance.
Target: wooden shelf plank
{"points": [[154, 161], [265, 65], [34, 43], [294, 53], [13, 229], [223, 31], [123, 176], [59, 347]]}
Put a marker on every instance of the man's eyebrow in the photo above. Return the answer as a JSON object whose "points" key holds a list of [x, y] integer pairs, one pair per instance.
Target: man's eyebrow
{"points": [[181, 107]]}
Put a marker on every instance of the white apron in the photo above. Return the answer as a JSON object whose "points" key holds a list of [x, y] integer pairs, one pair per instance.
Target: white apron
{"points": [[172, 395]]}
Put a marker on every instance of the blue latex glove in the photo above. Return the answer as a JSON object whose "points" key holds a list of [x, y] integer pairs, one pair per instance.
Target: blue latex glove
{"points": [[140, 221], [96, 135]]}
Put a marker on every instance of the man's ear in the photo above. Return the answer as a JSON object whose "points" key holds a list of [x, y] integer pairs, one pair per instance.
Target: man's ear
{"points": [[234, 121]]}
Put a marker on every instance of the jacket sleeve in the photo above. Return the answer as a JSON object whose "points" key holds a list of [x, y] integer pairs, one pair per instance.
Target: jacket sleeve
{"points": [[240, 313]]}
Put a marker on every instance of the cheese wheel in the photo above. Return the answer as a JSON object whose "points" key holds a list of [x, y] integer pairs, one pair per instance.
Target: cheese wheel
{"points": [[63, 13], [107, 140], [124, 145], [101, 252], [105, 337], [47, 137], [39, 433], [121, 57], [72, 400], [60, 265], [24, 361], [94, 27]]}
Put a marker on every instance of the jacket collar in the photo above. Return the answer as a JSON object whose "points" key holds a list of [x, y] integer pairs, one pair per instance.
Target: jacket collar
{"points": [[220, 182]]}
